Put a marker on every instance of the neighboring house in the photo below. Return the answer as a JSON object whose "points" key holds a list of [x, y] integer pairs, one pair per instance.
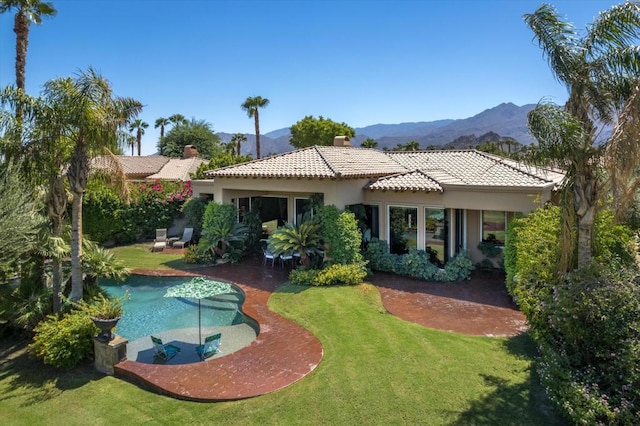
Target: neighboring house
{"points": [[446, 200], [155, 167]]}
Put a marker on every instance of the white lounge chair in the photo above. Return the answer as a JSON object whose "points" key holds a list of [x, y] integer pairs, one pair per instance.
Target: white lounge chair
{"points": [[161, 240]]}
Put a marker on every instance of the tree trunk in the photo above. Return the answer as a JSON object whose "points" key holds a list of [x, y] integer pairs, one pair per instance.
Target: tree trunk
{"points": [[76, 247], [21, 28], [257, 121], [77, 174], [56, 208], [585, 201], [139, 139]]}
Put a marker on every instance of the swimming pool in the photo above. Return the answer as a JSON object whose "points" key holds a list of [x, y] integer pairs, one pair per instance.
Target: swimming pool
{"points": [[148, 311]]}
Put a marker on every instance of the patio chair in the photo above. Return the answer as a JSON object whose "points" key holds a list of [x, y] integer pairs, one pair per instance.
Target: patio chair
{"points": [[211, 346], [269, 256], [161, 240], [185, 240], [163, 352], [286, 257]]}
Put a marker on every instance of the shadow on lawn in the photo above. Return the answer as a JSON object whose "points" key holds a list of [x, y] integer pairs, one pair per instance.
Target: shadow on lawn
{"points": [[508, 403], [22, 375]]}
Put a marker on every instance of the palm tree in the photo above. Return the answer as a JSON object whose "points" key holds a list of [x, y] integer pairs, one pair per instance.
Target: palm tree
{"points": [[369, 143], [139, 126], [599, 70], [131, 141], [94, 118], [178, 119], [162, 123], [27, 12], [251, 106], [237, 140]]}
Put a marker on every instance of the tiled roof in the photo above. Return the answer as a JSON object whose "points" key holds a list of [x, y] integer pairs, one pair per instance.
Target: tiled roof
{"points": [[411, 181], [471, 168], [397, 171], [316, 162], [133, 165], [177, 169]]}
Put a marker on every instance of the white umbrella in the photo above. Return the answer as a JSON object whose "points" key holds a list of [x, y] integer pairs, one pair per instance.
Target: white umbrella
{"points": [[199, 288]]}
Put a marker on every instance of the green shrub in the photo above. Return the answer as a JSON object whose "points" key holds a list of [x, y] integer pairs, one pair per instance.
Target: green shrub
{"points": [[222, 235], [531, 257], [63, 342], [590, 346], [417, 263], [193, 210], [193, 256], [302, 238], [335, 274], [342, 238], [378, 256]]}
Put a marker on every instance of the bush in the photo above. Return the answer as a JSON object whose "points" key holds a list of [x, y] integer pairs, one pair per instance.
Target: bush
{"points": [[222, 235], [63, 342], [193, 256], [417, 263], [335, 274], [531, 256], [342, 238], [590, 346], [193, 210]]}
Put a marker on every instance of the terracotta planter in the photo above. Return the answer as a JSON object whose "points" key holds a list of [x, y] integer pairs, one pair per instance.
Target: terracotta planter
{"points": [[105, 326]]}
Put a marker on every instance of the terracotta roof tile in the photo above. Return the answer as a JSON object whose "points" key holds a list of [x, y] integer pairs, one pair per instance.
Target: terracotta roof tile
{"points": [[411, 181], [409, 171], [316, 162], [177, 169]]}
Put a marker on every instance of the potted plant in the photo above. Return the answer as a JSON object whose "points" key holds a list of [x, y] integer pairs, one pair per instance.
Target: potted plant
{"points": [[105, 312]]}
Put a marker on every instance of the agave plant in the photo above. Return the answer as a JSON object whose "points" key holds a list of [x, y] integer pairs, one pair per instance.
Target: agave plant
{"points": [[303, 239]]}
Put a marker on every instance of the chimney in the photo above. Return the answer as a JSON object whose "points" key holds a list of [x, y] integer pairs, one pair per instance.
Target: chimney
{"points": [[341, 141], [190, 151]]}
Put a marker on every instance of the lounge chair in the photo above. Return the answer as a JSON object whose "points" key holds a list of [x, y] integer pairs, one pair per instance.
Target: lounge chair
{"points": [[211, 346], [185, 240], [163, 352], [161, 240]]}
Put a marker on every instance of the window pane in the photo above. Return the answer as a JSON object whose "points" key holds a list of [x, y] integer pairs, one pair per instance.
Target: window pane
{"points": [[403, 231], [494, 225], [435, 231]]}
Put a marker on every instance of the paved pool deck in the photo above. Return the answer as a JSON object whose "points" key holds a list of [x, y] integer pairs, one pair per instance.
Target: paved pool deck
{"points": [[283, 352]]}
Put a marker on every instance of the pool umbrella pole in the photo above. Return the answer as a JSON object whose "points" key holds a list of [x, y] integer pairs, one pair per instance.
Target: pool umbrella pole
{"points": [[199, 288]]}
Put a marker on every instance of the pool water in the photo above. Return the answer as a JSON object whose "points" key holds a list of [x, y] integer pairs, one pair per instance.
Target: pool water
{"points": [[147, 311]]}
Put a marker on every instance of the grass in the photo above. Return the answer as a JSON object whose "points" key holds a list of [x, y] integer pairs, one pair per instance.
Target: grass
{"points": [[377, 369], [140, 256]]}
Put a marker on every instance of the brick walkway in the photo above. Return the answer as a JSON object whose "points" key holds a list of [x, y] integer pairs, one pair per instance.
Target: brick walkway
{"points": [[284, 352]]}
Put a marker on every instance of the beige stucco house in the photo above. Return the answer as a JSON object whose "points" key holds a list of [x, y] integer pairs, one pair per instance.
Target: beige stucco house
{"points": [[446, 200]]}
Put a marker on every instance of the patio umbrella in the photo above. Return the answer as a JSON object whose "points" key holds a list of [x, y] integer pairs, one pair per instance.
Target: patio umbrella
{"points": [[199, 288]]}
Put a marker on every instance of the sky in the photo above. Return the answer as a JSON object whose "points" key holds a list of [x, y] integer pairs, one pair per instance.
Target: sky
{"points": [[353, 61]]}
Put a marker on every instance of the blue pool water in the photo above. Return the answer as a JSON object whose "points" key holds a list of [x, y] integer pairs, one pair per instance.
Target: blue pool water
{"points": [[148, 311]]}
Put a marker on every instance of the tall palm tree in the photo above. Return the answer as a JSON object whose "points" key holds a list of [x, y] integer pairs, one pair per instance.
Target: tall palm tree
{"points": [[599, 70], [139, 126], [94, 118], [251, 106], [27, 12], [178, 119], [237, 140], [162, 123]]}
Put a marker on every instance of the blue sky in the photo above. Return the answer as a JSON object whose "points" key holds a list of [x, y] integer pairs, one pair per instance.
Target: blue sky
{"points": [[358, 62]]}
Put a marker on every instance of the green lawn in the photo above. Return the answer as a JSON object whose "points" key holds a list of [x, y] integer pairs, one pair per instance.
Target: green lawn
{"points": [[377, 369], [140, 256]]}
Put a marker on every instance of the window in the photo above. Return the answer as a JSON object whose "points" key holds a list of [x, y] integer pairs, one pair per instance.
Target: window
{"points": [[435, 231], [494, 226], [403, 229], [303, 210]]}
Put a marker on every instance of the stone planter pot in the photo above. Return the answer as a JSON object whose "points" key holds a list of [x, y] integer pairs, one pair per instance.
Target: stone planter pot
{"points": [[105, 326]]}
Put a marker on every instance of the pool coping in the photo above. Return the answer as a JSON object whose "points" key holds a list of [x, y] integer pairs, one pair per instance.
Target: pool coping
{"points": [[282, 354]]}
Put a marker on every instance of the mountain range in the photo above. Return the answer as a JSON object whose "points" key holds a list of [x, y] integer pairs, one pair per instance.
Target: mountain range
{"points": [[504, 120]]}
